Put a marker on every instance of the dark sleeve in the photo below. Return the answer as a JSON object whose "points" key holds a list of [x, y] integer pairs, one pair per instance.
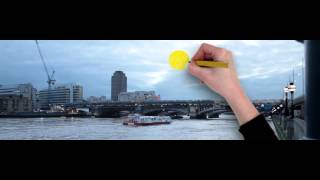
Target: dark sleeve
{"points": [[257, 129]]}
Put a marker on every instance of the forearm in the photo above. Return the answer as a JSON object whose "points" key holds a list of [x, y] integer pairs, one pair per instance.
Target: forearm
{"points": [[252, 125], [241, 105]]}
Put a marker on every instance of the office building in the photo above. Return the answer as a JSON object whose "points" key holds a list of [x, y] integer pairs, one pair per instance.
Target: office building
{"points": [[61, 95], [17, 98], [118, 84]]}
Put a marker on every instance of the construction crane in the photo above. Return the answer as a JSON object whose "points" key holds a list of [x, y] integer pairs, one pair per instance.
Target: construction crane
{"points": [[51, 81]]}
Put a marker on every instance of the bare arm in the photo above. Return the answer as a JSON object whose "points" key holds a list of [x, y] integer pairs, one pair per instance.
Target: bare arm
{"points": [[224, 81]]}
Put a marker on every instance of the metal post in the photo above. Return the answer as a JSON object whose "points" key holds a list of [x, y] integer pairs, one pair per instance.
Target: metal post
{"points": [[312, 96], [292, 105], [286, 111]]}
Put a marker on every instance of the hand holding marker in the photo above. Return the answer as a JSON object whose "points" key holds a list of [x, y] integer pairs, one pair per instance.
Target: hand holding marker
{"points": [[222, 78], [179, 59]]}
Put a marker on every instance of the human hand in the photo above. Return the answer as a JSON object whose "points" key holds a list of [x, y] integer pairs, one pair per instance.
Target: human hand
{"points": [[224, 81]]}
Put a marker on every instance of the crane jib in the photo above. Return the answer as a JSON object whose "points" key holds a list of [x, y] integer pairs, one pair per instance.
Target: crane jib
{"points": [[50, 78]]}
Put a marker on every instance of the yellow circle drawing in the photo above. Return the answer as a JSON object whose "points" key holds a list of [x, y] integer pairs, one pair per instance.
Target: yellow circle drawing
{"points": [[178, 60]]}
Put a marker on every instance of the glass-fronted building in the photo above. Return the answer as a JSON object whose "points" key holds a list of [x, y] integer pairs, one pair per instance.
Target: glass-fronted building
{"points": [[61, 95]]}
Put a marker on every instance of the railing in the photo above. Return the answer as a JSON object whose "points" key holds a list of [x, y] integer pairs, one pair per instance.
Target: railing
{"points": [[280, 123], [289, 128]]}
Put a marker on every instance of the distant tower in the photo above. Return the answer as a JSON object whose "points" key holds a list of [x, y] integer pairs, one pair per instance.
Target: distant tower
{"points": [[118, 84]]}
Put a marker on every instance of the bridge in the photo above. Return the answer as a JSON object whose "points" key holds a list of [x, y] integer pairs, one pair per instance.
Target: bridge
{"points": [[210, 113], [195, 109], [199, 109]]}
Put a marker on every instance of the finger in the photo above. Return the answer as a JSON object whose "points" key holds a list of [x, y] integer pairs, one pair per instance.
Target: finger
{"points": [[196, 71], [206, 51]]}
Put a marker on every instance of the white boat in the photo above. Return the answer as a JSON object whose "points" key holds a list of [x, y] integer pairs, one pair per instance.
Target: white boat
{"points": [[185, 117], [138, 120]]}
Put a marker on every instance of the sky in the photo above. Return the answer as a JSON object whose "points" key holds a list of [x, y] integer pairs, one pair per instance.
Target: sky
{"points": [[264, 66]]}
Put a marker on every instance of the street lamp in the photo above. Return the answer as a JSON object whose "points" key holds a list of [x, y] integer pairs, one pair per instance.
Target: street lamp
{"points": [[292, 89], [286, 90]]}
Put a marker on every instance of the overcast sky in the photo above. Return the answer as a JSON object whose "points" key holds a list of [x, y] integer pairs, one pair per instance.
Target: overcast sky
{"points": [[264, 66]]}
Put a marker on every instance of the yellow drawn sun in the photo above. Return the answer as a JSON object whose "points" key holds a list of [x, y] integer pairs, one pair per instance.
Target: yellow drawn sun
{"points": [[178, 60]]}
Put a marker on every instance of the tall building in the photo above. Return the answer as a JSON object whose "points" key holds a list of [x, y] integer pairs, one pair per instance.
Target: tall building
{"points": [[138, 96], [61, 95], [118, 84], [17, 98]]}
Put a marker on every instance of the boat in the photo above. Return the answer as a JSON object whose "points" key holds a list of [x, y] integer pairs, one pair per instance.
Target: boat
{"points": [[176, 117], [185, 117], [181, 117], [227, 115], [73, 112], [78, 114], [138, 120]]}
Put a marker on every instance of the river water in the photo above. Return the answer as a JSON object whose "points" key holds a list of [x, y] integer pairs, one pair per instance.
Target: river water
{"points": [[112, 129]]}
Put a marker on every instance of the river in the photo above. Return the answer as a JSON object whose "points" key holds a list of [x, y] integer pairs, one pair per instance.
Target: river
{"points": [[112, 129]]}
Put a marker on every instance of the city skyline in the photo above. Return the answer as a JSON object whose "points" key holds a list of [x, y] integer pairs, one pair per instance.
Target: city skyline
{"points": [[264, 66]]}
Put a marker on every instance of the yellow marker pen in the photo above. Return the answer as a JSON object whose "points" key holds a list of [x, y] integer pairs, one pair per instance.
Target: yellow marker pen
{"points": [[213, 64]]}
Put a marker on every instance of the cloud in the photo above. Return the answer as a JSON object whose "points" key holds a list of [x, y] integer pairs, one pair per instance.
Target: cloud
{"points": [[255, 43], [263, 63]]}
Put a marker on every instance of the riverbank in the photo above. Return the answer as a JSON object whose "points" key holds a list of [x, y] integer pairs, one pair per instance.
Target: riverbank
{"points": [[23, 115]]}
